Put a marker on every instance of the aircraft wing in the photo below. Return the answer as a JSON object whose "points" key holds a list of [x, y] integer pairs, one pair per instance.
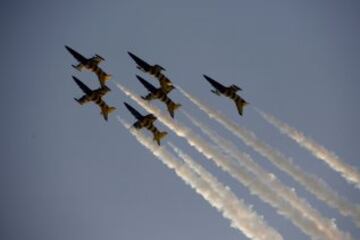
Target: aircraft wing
{"points": [[141, 63], [76, 55], [83, 87], [146, 84], [133, 111], [215, 84]]}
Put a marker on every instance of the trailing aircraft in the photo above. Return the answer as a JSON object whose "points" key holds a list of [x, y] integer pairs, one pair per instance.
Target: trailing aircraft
{"points": [[158, 93], [229, 92], [90, 64], [94, 96], [146, 121], [155, 70]]}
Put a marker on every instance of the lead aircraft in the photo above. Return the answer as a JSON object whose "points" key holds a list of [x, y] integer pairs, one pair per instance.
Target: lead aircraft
{"points": [[229, 92]]}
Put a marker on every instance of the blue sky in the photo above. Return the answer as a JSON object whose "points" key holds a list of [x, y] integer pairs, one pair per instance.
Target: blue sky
{"points": [[65, 173]]}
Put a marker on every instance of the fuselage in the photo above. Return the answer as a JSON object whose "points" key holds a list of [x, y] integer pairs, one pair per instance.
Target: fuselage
{"points": [[93, 67], [159, 94], [230, 93], [95, 96], [145, 123]]}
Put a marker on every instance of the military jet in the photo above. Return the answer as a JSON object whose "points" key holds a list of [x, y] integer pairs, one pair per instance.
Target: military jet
{"points": [[147, 122], [90, 64], [229, 92], [94, 96], [155, 70], [158, 93]]}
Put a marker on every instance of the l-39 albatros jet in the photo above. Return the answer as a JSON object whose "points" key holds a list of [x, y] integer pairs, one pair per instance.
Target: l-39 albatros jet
{"points": [[229, 92], [146, 121], [155, 70], [90, 64], [94, 96], [158, 93]]}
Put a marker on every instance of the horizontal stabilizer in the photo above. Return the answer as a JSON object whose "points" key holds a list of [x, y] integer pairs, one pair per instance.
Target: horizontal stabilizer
{"points": [[172, 107], [240, 104], [158, 136], [106, 110]]}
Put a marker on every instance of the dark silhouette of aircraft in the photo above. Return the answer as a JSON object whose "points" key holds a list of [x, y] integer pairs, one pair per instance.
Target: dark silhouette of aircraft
{"points": [[94, 96], [155, 70], [158, 93], [229, 92], [146, 121], [90, 64]]}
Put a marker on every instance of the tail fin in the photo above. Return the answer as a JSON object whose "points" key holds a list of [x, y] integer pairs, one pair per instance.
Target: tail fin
{"points": [[106, 110], [240, 104], [158, 136], [172, 107]]}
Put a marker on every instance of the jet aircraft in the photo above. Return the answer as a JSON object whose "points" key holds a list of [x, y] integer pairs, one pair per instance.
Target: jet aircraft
{"points": [[94, 96], [146, 121], [158, 93], [90, 64], [229, 92], [155, 70]]}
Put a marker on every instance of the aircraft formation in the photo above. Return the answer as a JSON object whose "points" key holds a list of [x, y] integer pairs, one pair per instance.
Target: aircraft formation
{"points": [[92, 65], [160, 93]]}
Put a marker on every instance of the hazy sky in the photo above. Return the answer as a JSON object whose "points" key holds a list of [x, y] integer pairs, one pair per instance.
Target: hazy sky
{"points": [[65, 173]]}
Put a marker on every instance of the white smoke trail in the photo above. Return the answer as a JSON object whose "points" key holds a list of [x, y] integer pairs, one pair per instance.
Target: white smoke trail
{"points": [[241, 216], [255, 186], [232, 203], [312, 183], [348, 172], [275, 184]]}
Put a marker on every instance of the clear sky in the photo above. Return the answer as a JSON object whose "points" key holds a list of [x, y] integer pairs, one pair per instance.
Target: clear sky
{"points": [[65, 173]]}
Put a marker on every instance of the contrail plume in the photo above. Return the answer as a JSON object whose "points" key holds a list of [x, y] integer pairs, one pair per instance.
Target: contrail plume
{"points": [[232, 203], [312, 183], [348, 172], [255, 186], [275, 184], [241, 216]]}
